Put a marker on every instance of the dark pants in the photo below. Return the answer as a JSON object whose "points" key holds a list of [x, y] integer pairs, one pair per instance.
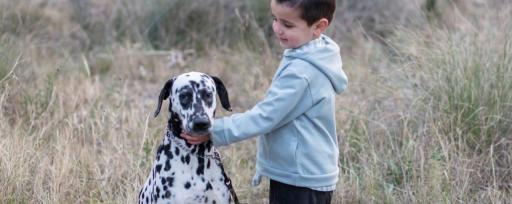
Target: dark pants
{"points": [[281, 193]]}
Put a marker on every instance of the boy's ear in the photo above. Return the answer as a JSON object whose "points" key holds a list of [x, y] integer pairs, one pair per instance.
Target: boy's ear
{"points": [[320, 26]]}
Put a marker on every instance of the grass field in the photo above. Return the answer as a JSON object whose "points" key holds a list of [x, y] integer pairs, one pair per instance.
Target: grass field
{"points": [[427, 117]]}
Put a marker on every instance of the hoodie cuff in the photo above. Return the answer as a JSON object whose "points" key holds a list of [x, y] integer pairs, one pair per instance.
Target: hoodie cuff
{"points": [[256, 179], [218, 137]]}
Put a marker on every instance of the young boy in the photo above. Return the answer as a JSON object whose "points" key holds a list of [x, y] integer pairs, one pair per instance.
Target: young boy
{"points": [[298, 146]]}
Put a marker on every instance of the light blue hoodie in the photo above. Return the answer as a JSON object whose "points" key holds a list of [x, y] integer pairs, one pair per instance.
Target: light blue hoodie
{"points": [[296, 120]]}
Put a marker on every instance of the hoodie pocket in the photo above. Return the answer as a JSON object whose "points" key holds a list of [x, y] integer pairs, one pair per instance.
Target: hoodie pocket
{"points": [[282, 145]]}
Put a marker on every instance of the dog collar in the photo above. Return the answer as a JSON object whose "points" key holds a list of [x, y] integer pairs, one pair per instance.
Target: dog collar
{"points": [[215, 155]]}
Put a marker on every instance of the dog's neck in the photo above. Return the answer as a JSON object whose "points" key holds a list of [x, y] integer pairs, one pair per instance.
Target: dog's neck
{"points": [[174, 134]]}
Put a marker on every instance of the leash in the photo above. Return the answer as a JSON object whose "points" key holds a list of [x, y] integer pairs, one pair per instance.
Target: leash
{"points": [[227, 181]]}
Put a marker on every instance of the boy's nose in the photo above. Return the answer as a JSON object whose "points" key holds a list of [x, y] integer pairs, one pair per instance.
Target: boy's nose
{"points": [[276, 28]]}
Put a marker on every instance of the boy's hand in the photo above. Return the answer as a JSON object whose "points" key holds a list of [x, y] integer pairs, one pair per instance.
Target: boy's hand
{"points": [[195, 139]]}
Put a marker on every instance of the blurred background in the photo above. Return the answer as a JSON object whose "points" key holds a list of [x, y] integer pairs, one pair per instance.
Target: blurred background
{"points": [[427, 116]]}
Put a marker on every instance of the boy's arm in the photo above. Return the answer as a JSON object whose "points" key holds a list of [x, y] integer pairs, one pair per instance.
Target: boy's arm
{"points": [[274, 111]]}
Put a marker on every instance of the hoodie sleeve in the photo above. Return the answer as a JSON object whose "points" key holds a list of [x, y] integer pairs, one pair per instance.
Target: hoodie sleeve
{"points": [[286, 91]]}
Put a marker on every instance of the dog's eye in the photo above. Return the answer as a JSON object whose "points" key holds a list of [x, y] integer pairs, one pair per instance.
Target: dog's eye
{"points": [[207, 95], [185, 96]]}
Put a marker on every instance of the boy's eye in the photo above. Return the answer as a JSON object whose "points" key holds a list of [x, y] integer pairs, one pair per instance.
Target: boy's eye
{"points": [[285, 23], [288, 25]]}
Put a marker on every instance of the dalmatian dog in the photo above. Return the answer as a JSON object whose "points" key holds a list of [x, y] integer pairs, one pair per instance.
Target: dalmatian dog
{"points": [[182, 172]]}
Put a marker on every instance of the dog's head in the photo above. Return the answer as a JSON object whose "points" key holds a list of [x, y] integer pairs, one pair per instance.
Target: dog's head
{"points": [[192, 101]]}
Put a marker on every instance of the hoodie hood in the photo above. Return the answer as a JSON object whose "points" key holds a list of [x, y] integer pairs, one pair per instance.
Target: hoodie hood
{"points": [[324, 54]]}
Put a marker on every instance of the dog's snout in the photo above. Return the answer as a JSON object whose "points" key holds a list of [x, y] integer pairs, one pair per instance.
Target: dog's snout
{"points": [[201, 124]]}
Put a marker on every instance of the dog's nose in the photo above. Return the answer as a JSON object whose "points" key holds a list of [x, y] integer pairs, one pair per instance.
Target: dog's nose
{"points": [[201, 124]]}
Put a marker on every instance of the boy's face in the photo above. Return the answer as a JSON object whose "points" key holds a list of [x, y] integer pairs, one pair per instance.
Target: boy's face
{"points": [[291, 30]]}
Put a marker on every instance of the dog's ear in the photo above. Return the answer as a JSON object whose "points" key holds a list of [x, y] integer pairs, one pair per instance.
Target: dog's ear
{"points": [[223, 93], [164, 94]]}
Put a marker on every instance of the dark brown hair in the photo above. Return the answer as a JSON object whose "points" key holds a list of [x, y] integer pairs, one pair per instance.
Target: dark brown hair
{"points": [[312, 10]]}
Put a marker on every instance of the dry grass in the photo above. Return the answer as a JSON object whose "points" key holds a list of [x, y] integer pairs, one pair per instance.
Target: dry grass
{"points": [[426, 119]]}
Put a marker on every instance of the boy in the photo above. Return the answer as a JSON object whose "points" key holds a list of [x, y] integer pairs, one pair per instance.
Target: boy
{"points": [[298, 147]]}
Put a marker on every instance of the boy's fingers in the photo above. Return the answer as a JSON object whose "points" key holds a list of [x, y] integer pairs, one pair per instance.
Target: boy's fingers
{"points": [[194, 139], [189, 138], [184, 135]]}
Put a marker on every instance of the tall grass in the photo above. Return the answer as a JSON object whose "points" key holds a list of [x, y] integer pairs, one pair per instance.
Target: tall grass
{"points": [[464, 79], [431, 119], [426, 119]]}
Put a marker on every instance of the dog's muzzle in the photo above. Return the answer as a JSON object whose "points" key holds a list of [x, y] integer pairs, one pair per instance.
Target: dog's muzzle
{"points": [[201, 125]]}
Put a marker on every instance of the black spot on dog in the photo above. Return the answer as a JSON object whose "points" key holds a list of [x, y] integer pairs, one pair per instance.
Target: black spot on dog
{"points": [[167, 194], [167, 165], [177, 151], [201, 150], [209, 146], [174, 124], [160, 150], [208, 186], [187, 185], [187, 159], [169, 154], [158, 167], [194, 84], [170, 181], [200, 167], [141, 193]]}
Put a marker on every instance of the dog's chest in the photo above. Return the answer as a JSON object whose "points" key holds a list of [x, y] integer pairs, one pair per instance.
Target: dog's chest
{"points": [[181, 176]]}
